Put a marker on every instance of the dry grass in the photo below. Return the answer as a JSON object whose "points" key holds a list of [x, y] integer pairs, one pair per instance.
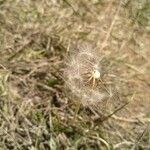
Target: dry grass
{"points": [[37, 111]]}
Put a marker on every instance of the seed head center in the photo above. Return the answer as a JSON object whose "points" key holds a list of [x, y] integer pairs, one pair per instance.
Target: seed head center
{"points": [[96, 74]]}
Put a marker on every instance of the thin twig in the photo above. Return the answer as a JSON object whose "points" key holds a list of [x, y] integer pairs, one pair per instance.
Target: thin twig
{"points": [[111, 27]]}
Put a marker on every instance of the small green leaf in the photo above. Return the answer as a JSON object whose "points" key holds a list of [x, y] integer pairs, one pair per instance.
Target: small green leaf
{"points": [[52, 82]]}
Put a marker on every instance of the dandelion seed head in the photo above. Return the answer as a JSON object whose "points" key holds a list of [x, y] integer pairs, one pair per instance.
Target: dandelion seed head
{"points": [[83, 68]]}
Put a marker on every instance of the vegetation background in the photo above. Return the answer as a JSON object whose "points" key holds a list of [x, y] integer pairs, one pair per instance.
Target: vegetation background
{"points": [[37, 111]]}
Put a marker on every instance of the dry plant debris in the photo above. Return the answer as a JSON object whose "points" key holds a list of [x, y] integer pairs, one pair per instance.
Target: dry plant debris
{"points": [[43, 103]]}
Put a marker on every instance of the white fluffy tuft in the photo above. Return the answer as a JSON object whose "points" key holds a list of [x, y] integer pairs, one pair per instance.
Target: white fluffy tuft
{"points": [[83, 63]]}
